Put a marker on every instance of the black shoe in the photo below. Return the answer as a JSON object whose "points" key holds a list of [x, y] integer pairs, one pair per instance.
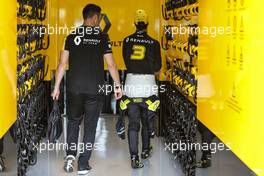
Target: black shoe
{"points": [[2, 164], [147, 153], [135, 163], [84, 171], [69, 164], [204, 163]]}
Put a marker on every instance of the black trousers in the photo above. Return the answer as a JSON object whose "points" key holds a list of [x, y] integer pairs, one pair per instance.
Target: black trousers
{"points": [[1, 146], [207, 138], [138, 112], [82, 107]]}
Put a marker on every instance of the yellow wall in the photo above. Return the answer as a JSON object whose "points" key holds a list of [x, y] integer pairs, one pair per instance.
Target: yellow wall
{"points": [[7, 65], [52, 52], [121, 15], [230, 87]]}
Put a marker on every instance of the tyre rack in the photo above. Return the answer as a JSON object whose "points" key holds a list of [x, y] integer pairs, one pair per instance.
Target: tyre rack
{"points": [[32, 90], [178, 102]]}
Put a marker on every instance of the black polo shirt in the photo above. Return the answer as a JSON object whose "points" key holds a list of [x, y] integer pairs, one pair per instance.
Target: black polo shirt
{"points": [[86, 46]]}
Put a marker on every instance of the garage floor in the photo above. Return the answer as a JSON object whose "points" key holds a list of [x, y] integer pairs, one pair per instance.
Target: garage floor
{"points": [[224, 163], [112, 159]]}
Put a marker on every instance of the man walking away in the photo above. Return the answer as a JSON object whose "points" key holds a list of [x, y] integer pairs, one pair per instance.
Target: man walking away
{"points": [[143, 61], [84, 51]]}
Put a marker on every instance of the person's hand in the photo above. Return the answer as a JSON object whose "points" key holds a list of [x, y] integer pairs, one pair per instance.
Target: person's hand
{"points": [[55, 94], [118, 92]]}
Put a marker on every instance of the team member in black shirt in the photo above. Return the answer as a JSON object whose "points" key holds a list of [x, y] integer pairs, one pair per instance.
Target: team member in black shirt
{"points": [[84, 51], [143, 60]]}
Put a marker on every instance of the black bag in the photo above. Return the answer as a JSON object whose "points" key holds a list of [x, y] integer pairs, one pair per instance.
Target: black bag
{"points": [[55, 126]]}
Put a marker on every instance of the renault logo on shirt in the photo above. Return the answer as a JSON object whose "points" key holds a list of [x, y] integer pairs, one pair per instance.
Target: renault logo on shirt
{"points": [[77, 40]]}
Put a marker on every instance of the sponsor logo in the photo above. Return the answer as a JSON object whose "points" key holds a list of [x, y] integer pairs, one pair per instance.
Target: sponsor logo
{"points": [[77, 40]]}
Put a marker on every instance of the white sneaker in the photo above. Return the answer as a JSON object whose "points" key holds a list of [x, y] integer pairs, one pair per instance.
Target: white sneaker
{"points": [[84, 171], [69, 164]]}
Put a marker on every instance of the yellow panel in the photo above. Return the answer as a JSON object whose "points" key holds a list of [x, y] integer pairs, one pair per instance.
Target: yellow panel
{"points": [[230, 86], [7, 65], [121, 15]]}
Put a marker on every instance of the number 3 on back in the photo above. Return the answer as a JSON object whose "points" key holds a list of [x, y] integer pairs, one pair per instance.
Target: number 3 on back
{"points": [[138, 52]]}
